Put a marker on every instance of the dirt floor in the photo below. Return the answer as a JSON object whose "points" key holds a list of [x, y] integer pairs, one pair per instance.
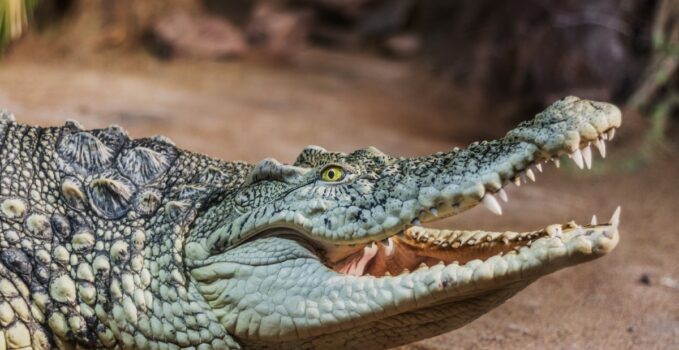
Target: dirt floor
{"points": [[248, 111]]}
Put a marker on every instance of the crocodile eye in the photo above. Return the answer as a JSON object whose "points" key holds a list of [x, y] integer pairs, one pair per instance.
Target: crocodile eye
{"points": [[332, 173]]}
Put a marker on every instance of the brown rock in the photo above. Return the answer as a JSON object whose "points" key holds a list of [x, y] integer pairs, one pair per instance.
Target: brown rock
{"points": [[277, 30], [198, 36], [403, 45]]}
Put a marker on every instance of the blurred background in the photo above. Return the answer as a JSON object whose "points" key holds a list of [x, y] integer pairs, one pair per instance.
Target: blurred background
{"points": [[246, 80]]}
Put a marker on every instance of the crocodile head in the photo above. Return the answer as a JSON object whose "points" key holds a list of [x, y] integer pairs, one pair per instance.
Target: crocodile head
{"points": [[331, 251]]}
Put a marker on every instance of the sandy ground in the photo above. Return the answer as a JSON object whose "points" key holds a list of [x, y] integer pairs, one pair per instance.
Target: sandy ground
{"points": [[236, 110]]}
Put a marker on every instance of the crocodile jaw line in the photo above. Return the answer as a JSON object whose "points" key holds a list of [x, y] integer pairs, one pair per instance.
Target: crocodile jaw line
{"points": [[445, 286], [419, 248]]}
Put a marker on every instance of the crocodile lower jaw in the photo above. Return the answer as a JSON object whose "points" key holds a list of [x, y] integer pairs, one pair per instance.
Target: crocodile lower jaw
{"points": [[423, 248]]}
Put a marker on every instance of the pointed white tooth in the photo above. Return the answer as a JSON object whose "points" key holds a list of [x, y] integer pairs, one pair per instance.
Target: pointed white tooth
{"points": [[517, 181], [554, 230], [601, 146], [539, 167], [416, 222], [389, 247], [611, 134], [604, 136], [503, 195], [557, 162], [594, 221], [615, 219], [371, 249], [530, 174], [587, 156], [434, 211], [491, 203], [577, 158]]}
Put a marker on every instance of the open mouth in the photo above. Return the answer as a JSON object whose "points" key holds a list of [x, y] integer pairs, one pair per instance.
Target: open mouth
{"points": [[416, 247]]}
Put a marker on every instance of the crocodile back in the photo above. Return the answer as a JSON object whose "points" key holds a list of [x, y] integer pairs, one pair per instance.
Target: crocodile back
{"points": [[92, 227]]}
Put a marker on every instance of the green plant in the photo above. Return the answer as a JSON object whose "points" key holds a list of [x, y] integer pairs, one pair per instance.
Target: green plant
{"points": [[14, 16]]}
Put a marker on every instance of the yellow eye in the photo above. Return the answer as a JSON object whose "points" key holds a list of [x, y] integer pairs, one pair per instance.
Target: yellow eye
{"points": [[332, 173]]}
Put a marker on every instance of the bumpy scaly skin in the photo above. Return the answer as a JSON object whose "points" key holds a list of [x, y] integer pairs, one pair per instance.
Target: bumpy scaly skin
{"points": [[110, 242], [92, 231]]}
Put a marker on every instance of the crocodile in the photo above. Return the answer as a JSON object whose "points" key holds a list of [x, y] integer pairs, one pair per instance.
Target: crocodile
{"points": [[113, 242]]}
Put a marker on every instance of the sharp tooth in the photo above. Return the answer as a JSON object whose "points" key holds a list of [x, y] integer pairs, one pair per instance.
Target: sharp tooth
{"points": [[479, 235], [587, 156], [422, 266], [517, 181], [557, 162], [465, 236], [604, 136], [523, 178], [530, 174], [615, 219], [601, 146], [539, 167], [416, 222], [594, 221], [510, 235], [503, 195], [577, 158], [389, 247], [387, 273], [358, 268], [611, 134], [491, 203], [434, 211], [554, 230]]}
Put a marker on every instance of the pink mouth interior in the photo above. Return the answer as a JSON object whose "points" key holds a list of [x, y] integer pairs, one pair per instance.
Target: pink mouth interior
{"points": [[403, 253]]}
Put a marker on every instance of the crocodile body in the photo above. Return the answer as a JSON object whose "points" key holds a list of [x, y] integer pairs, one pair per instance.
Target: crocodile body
{"points": [[109, 242]]}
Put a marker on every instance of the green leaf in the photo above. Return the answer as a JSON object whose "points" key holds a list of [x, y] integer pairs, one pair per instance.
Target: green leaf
{"points": [[13, 17]]}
